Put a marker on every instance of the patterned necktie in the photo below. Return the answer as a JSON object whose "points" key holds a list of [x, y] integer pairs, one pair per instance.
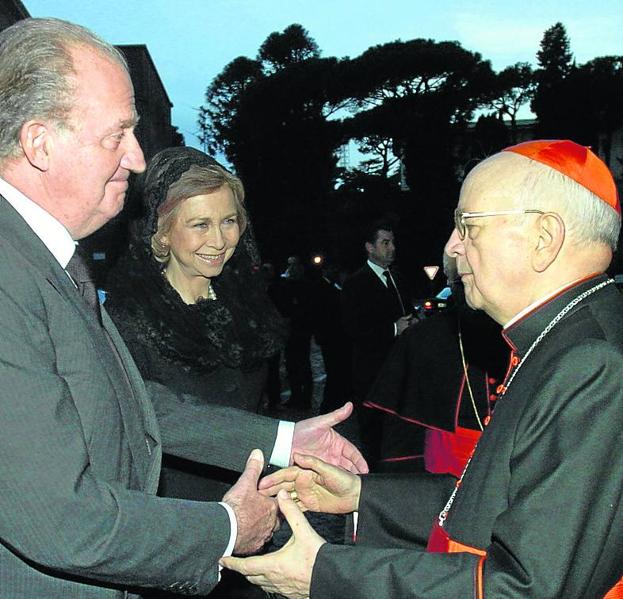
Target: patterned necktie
{"points": [[79, 270], [392, 287]]}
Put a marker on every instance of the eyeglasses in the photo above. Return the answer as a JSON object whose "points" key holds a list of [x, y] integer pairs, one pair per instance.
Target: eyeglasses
{"points": [[461, 217]]}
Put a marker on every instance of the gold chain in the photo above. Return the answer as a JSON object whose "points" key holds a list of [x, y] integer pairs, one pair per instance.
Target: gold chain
{"points": [[446, 510], [465, 373]]}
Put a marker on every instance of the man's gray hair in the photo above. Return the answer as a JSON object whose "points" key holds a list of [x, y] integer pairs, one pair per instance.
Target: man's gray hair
{"points": [[35, 74], [587, 218]]}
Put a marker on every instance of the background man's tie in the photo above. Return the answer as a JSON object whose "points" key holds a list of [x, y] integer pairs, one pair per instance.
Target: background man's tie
{"points": [[392, 287], [78, 269]]}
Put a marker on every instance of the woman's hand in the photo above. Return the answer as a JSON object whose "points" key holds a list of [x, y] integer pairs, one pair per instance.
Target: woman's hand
{"points": [[315, 486]]}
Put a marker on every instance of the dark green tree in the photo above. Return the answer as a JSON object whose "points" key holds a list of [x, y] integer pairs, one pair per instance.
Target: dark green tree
{"points": [[514, 87], [490, 135], [555, 59], [269, 116], [284, 148], [291, 46], [412, 68], [397, 87], [603, 76], [593, 96], [419, 94], [222, 99], [383, 161], [555, 65]]}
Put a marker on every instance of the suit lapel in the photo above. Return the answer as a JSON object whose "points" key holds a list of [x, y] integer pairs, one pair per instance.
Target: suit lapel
{"points": [[379, 287], [373, 279], [387, 296], [16, 232], [138, 413], [118, 372]]}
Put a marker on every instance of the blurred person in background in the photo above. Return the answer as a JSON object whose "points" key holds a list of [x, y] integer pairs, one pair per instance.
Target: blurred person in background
{"points": [[376, 309], [272, 284], [295, 303], [332, 339], [437, 388]]}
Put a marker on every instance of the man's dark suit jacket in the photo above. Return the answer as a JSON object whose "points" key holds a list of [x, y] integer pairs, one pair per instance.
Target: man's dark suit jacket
{"points": [[369, 311], [81, 440]]}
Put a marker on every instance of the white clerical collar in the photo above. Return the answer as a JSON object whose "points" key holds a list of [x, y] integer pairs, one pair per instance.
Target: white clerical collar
{"points": [[53, 234], [543, 300]]}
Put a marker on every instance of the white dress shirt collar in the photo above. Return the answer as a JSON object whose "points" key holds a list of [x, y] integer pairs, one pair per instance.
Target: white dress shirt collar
{"points": [[378, 271], [53, 234]]}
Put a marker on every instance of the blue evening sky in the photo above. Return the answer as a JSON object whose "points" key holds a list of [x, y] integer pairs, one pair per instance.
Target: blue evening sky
{"points": [[190, 41]]}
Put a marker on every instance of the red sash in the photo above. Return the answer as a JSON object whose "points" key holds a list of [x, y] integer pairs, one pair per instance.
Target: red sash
{"points": [[446, 452], [616, 592], [440, 542]]}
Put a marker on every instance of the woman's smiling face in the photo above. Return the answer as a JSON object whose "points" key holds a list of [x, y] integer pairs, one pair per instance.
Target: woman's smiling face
{"points": [[203, 236]]}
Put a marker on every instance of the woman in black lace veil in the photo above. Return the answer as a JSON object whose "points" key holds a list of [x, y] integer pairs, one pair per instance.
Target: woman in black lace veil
{"points": [[213, 347]]}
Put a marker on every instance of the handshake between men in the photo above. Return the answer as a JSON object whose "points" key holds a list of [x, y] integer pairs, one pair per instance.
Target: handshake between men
{"points": [[256, 512], [312, 485]]}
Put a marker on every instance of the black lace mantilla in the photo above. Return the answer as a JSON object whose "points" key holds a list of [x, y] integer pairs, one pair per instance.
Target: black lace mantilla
{"points": [[239, 329]]}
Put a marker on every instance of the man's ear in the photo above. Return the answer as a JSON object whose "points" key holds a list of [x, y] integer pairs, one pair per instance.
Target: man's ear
{"points": [[36, 142], [369, 247], [550, 237]]}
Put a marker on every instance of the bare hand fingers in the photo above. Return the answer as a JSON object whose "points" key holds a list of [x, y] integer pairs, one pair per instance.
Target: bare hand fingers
{"points": [[253, 468], [320, 468], [310, 462], [293, 514], [247, 566], [352, 460], [339, 415], [281, 476], [272, 491]]}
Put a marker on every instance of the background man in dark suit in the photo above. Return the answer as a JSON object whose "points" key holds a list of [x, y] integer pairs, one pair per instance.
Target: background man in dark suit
{"points": [[80, 446], [376, 308]]}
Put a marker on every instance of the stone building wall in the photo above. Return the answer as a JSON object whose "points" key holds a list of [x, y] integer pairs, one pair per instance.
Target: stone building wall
{"points": [[154, 130], [10, 12]]}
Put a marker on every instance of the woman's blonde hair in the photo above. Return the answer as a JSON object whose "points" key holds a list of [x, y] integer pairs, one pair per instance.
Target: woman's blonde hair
{"points": [[196, 181]]}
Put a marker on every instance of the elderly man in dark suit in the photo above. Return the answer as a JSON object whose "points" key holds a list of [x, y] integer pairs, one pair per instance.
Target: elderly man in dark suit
{"points": [[81, 434], [376, 309]]}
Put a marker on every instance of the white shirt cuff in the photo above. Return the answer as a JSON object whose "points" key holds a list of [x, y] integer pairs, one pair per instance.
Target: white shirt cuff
{"points": [[233, 534], [279, 457], [283, 444]]}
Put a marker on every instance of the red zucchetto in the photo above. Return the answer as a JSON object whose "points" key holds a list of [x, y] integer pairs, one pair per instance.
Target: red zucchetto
{"points": [[576, 162]]}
